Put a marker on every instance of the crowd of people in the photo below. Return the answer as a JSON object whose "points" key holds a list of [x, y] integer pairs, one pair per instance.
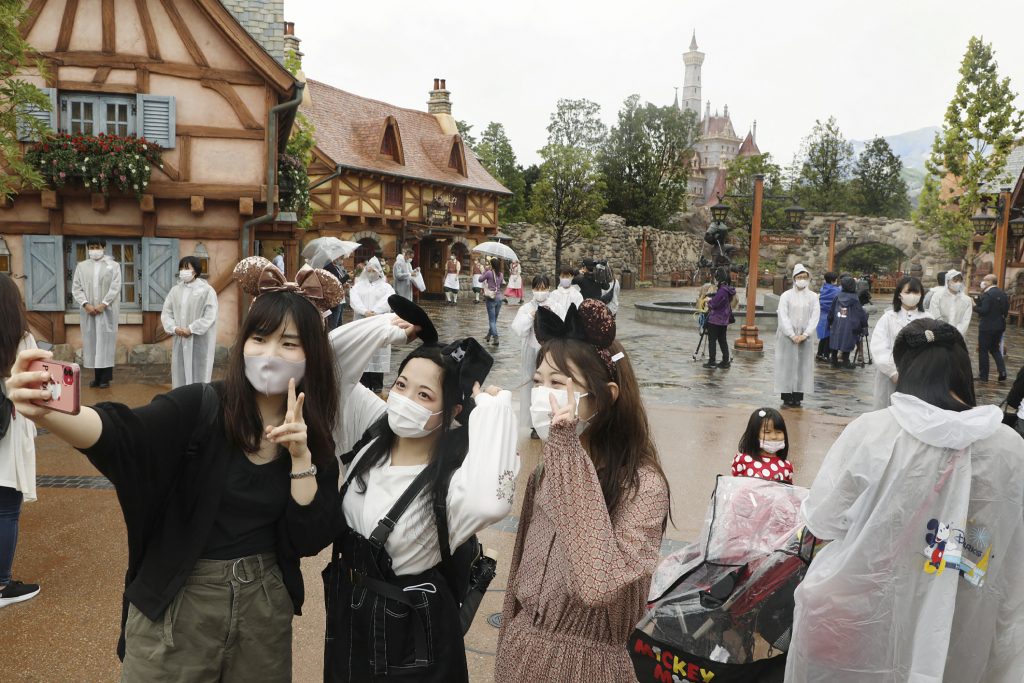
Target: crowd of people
{"points": [[918, 508]]}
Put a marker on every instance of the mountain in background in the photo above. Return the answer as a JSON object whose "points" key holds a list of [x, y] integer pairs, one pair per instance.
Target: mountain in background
{"points": [[913, 148]]}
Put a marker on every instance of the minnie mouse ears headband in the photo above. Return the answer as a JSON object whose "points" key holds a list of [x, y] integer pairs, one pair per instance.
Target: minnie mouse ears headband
{"points": [[591, 322], [256, 276]]}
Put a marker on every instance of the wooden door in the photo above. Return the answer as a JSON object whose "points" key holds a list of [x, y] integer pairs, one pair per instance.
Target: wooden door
{"points": [[433, 255]]}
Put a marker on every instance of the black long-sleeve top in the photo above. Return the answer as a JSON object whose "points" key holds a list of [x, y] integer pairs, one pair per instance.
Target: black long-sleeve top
{"points": [[170, 496]]}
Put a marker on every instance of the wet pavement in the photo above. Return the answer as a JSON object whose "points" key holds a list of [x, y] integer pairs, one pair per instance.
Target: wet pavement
{"points": [[72, 539]]}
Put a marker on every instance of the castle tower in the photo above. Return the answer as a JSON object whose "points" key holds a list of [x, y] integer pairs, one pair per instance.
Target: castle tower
{"points": [[693, 59]]}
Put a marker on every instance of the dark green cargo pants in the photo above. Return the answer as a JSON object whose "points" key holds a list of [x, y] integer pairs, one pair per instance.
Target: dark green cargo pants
{"points": [[232, 621]]}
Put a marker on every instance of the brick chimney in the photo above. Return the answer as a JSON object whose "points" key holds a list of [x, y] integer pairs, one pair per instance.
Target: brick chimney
{"points": [[439, 102], [291, 41]]}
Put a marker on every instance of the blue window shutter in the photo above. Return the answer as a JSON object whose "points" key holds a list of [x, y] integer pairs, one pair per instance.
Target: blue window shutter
{"points": [[159, 270], [44, 267], [48, 118], [156, 116]]}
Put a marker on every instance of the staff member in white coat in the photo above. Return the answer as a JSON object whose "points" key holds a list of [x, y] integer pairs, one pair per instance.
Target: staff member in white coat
{"points": [[794, 354], [924, 506], [403, 275], [96, 288], [951, 305], [369, 297], [190, 316], [906, 307]]}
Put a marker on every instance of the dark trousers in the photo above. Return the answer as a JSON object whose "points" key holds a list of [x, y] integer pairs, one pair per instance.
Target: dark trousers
{"points": [[716, 334], [10, 512], [988, 342], [103, 375], [823, 347]]}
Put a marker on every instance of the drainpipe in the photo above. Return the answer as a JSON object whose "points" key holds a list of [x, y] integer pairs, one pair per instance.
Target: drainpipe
{"points": [[271, 171]]}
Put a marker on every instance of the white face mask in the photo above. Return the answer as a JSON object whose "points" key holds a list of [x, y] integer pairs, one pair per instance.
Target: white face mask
{"points": [[372, 275], [565, 282], [540, 409], [540, 297], [407, 418], [772, 447], [270, 374], [801, 284], [956, 287], [186, 275], [910, 300], [95, 254]]}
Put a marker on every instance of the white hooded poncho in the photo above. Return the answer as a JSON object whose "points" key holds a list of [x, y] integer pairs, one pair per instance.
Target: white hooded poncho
{"points": [[794, 363], [922, 580], [403, 277], [883, 337], [372, 296], [955, 309], [192, 306], [96, 282]]}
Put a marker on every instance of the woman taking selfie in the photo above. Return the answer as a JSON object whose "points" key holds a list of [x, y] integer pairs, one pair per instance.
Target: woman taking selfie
{"points": [[222, 486], [594, 512]]}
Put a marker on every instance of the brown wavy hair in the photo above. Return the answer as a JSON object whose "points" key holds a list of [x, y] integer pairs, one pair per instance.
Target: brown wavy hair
{"points": [[15, 323], [242, 422], [620, 435]]}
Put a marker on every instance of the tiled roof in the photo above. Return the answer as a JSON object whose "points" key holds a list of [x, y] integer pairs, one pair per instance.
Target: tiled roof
{"points": [[749, 148], [718, 125], [1011, 172], [349, 130]]}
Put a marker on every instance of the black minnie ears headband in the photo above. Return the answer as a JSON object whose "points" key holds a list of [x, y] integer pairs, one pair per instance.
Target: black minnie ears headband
{"points": [[591, 323], [915, 335], [467, 356]]}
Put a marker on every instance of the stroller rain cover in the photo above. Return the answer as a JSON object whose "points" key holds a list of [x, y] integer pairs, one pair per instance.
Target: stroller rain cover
{"points": [[721, 609]]}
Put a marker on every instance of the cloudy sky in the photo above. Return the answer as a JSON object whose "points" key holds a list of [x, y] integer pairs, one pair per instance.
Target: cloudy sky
{"points": [[880, 66]]}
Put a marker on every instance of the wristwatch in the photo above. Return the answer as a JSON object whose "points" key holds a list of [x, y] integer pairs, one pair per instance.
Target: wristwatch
{"points": [[311, 472]]}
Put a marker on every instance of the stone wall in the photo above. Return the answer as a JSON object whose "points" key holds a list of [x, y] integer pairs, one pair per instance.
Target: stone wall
{"points": [[617, 242]]}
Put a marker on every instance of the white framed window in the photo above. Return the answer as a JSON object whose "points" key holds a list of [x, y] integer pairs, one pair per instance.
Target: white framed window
{"points": [[125, 252], [95, 114]]}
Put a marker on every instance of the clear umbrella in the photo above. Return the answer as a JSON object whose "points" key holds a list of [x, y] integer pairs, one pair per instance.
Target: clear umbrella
{"points": [[498, 249], [323, 250]]}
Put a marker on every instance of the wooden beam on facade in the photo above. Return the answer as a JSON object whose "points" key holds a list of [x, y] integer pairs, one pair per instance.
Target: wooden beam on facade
{"points": [[219, 132], [184, 158], [86, 229], [67, 24], [49, 199], [101, 75], [184, 33], [147, 204], [149, 225], [198, 72], [189, 232], [152, 47], [212, 191], [120, 88], [152, 328], [245, 206], [100, 202], [24, 227], [56, 219], [170, 170], [91, 59], [31, 16], [142, 79], [228, 93], [197, 203], [109, 27]]}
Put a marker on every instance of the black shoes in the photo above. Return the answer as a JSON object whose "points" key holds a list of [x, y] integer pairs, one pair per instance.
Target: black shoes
{"points": [[1002, 378], [487, 338], [725, 365], [94, 384], [16, 591], [710, 364]]}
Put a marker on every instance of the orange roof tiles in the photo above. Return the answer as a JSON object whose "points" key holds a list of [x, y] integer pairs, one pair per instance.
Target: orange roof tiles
{"points": [[749, 148], [349, 130]]}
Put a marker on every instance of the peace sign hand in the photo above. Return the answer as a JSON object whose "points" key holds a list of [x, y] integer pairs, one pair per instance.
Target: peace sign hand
{"points": [[566, 413], [292, 433]]}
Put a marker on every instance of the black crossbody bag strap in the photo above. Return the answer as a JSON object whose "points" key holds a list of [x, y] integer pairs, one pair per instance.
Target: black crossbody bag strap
{"points": [[387, 523]]}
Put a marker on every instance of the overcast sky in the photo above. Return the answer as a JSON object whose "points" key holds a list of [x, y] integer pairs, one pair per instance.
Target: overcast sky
{"points": [[880, 66]]}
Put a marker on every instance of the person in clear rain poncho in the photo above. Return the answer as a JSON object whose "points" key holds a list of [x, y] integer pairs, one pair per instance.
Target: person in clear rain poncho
{"points": [[951, 303], [794, 350], [96, 288], [190, 317], [369, 297], [906, 308], [403, 275], [923, 505]]}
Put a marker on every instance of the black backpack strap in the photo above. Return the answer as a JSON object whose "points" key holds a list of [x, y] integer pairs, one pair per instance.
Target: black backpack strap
{"points": [[387, 523], [441, 520]]}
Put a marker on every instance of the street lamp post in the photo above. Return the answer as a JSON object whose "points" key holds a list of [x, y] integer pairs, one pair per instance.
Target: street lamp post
{"points": [[1002, 234], [749, 340], [832, 245]]}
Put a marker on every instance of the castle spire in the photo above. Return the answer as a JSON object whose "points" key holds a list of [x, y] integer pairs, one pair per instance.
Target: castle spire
{"points": [[693, 41], [692, 62]]}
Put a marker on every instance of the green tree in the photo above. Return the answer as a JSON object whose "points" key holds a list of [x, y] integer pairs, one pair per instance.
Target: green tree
{"points": [[577, 123], [646, 162], [823, 168], [496, 154], [878, 188], [568, 196], [468, 138], [17, 98], [531, 174], [300, 146], [978, 132]]}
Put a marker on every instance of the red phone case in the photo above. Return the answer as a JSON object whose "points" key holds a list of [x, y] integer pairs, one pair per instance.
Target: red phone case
{"points": [[65, 385]]}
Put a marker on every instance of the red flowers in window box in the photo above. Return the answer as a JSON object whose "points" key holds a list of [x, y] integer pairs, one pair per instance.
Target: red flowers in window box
{"points": [[100, 162]]}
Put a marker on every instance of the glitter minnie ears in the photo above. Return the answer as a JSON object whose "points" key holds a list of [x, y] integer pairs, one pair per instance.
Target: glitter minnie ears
{"points": [[591, 322], [256, 275]]}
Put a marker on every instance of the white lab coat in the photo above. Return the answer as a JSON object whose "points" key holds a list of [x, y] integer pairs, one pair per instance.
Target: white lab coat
{"points": [[403, 277], [955, 309], [364, 297], [192, 306], [96, 282], [871, 608], [794, 363], [882, 339]]}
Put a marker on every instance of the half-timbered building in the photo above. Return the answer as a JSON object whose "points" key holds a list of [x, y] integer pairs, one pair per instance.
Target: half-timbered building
{"points": [[187, 75], [386, 176]]}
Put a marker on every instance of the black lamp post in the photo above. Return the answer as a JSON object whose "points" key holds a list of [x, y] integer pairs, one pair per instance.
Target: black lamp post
{"points": [[719, 211], [795, 215], [983, 221]]}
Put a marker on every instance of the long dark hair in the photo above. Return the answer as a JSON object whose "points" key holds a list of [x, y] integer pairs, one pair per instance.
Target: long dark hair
{"points": [[933, 364], [750, 442], [620, 435], [915, 286], [242, 422], [449, 449], [12, 331]]}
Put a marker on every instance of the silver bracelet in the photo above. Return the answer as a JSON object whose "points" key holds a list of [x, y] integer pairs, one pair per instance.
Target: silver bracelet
{"points": [[311, 472]]}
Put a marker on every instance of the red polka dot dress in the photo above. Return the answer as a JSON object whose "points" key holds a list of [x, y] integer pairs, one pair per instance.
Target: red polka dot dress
{"points": [[763, 466]]}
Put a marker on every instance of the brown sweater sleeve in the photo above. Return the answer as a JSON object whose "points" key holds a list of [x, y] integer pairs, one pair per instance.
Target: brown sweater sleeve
{"points": [[606, 554]]}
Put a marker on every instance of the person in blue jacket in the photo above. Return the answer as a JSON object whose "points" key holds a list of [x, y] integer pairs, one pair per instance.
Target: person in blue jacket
{"points": [[826, 296], [847, 323]]}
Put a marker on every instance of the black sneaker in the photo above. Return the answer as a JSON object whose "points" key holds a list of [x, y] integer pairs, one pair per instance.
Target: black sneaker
{"points": [[710, 364], [16, 591], [725, 365]]}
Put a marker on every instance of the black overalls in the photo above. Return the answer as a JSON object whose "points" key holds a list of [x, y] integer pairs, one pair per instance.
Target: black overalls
{"points": [[383, 627]]}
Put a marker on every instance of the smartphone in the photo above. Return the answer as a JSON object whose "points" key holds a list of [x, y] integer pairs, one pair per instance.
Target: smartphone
{"points": [[65, 385]]}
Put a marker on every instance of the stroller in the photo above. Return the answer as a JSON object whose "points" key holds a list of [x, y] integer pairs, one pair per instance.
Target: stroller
{"points": [[721, 609]]}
